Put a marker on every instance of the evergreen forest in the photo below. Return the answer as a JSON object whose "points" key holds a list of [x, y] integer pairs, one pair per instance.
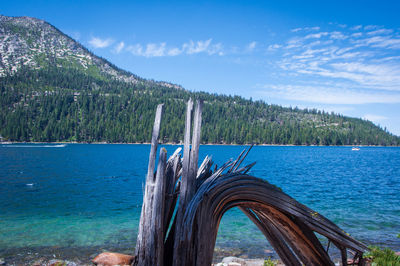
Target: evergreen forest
{"points": [[56, 104]]}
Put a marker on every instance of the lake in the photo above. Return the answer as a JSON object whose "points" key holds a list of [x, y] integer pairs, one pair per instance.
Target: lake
{"points": [[81, 199]]}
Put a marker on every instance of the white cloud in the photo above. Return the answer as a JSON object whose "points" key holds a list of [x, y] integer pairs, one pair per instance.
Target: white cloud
{"points": [[174, 51], [356, 27], [273, 47], [337, 35], [339, 66], [136, 49], [357, 34], [327, 95], [379, 41], [151, 50], [296, 29], [118, 48], [202, 46], [216, 49], [294, 43], [305, 29], [161, 49], [100, 43], [379, 32], [316, 35], [198, 47], [371, 27]]}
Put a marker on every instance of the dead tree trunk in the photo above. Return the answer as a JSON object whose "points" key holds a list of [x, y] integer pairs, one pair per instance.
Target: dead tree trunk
{"points": [[205, 195], [148, 244], [188, 181]]}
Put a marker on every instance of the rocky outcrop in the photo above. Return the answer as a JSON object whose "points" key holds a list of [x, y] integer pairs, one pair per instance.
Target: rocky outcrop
{"points": [[34, 43]]}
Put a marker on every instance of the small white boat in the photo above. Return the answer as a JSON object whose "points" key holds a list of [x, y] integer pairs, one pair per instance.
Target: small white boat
{"points": [[355, 149], [60, 145]]}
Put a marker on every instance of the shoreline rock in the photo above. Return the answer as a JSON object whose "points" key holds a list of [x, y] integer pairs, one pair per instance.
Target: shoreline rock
{"points": [[110, 259]]}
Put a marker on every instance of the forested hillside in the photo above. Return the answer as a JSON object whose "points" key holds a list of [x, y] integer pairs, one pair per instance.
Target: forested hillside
{"points": [[55, 95]]}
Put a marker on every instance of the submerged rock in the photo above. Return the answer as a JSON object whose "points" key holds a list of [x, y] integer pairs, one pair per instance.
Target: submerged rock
{"points": [[109, 259]]}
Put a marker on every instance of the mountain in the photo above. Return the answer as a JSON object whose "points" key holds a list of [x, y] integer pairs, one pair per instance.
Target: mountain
{"points": [[53, 89], [34, 43]]}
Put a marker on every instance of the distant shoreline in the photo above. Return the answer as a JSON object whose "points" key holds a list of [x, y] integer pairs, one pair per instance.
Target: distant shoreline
{"points": [[181, 144]]}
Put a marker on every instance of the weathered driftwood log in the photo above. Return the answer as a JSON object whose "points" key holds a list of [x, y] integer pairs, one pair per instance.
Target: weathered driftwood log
{"points": [[188, 238], [294, 221], [188, 181], [149, 245]]}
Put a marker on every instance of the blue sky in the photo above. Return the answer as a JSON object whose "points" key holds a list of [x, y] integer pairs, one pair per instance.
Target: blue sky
{"points": [[340, 56]]}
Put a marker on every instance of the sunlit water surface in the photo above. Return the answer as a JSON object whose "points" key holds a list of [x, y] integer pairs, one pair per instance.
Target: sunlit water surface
{"points": [[81, 199]]}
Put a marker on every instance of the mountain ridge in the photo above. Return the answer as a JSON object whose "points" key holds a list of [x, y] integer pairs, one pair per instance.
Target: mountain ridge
{"points": [[62, 45], [54, 89]]}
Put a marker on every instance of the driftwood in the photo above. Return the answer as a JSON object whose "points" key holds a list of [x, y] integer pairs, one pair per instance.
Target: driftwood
{"points": [[149, 244], [188, 238]]}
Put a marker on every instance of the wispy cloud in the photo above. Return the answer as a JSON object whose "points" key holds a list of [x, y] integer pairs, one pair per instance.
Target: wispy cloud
{"points": [[305, 29], [174, 51], [150, 50], [365, 62], [316, 35], [100, 43], [337, 35], [327, 94], [201, 47], [190, 48], [357, 27], [274, 47], [379, 41], [371, 27], [118, 48], [380, 32]]}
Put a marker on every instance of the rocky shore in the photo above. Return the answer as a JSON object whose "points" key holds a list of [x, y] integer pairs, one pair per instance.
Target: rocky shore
{"points": [[109, 259], [227, 261], [76, 256]]}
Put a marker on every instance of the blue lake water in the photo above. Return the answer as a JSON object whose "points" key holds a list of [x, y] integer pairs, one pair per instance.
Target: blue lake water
{"points": [[87, 197]]}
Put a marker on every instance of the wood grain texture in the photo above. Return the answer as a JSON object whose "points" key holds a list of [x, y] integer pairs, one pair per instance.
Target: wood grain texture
{"points": [[145, 239]]}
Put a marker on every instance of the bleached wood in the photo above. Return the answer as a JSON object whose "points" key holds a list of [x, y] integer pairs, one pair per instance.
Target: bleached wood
{"points": [[205, 196], [143, 243], [185, 185]]}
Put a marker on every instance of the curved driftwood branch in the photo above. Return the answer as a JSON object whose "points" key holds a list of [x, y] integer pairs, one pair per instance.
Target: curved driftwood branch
{"points": [[271, 208]]}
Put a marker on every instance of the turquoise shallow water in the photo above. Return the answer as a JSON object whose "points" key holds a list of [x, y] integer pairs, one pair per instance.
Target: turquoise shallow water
{"points": [[87, 197]]}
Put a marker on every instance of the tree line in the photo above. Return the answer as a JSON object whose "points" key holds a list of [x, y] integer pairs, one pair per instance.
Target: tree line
{"points": [[66, 104]]}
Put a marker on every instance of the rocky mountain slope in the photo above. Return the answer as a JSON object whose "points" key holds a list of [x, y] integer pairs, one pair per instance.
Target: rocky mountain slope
{"points": [[34, 43]]}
